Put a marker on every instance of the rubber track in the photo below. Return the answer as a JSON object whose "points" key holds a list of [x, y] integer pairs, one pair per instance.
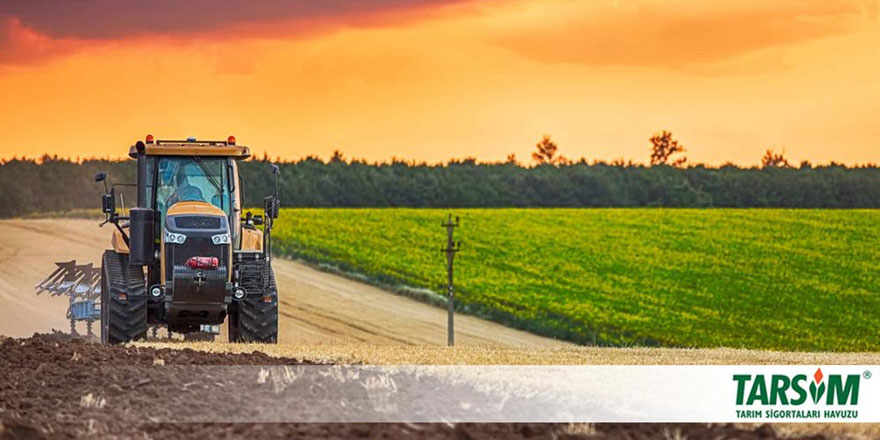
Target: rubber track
{"points": [[254, 320], [128, 317]]}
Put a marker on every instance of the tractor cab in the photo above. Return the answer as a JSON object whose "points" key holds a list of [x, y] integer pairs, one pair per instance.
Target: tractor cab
{"points": [[203, 173]]}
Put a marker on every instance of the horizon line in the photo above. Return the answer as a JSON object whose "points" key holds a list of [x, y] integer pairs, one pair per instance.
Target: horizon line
{"points": [[619, 162]]}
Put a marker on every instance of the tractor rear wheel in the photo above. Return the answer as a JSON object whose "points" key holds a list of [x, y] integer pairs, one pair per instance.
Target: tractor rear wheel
{"points": [[255, 318], [123, 300]]}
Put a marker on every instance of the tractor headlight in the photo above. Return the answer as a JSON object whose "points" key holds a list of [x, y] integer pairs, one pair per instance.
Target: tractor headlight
{"points": [[171, 237], [220, 239]]}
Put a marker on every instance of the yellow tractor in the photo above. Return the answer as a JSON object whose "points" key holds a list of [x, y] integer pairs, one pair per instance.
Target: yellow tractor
{"points": [[186, 257]]}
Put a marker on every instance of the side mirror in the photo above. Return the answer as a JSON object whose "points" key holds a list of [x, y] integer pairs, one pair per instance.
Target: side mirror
{"points": [[108, 202], [102, 177], [257, 220], [270, 206]]}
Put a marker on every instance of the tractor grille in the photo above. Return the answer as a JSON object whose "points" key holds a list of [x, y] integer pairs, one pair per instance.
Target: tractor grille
{"points": [[197, 222], [177, 254]]}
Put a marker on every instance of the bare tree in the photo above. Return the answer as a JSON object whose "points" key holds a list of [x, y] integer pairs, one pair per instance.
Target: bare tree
{"points": [[774, 160], [663, 147], [337, 156], [511, 159], [546, 151]]}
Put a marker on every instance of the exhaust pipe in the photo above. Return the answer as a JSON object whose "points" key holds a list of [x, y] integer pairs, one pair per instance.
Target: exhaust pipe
{"points": [[141, 174], [142, 230]]}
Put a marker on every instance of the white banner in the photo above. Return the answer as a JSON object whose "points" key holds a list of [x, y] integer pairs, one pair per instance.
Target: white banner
{"points": [[323, 393]]}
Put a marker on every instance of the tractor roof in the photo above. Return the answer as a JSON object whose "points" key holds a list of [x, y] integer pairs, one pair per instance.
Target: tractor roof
{"points": [[192, 147]]}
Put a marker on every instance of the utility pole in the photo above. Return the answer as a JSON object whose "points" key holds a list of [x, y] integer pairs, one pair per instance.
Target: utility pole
{"points": [[451, 248]]}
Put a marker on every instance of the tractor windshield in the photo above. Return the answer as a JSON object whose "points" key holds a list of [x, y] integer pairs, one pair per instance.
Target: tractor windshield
{"points": [[192, 179]]}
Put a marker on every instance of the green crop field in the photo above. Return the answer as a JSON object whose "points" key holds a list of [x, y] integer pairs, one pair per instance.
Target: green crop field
{"points": [[760, 278]]}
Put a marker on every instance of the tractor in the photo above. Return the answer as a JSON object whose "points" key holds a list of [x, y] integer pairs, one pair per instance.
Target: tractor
{"points": [[185, 257]]}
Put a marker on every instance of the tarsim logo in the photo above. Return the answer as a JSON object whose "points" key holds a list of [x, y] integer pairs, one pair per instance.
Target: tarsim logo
{"points": [[790, 390]]}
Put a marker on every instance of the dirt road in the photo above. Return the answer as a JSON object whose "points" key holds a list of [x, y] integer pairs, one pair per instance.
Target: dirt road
{"points": [[316, 307]]}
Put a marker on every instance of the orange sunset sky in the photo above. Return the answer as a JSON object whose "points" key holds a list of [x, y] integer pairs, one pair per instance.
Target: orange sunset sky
{"points": [[431, 80]]}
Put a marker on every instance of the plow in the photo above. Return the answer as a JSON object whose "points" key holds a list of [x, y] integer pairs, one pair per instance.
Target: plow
{"points": [[81, 284], [186, 258]]}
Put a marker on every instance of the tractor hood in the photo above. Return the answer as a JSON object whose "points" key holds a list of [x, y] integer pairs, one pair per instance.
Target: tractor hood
{"points": [[195, 208], [196, 219]]}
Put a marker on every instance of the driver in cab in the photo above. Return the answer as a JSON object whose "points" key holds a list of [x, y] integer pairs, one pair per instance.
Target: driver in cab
{"points": [[175, 187]]}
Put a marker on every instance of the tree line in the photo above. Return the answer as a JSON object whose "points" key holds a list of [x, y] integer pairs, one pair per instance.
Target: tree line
{"points": [[56, 184]]}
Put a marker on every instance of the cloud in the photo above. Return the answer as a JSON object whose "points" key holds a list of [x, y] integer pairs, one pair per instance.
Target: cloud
{"points": [[35, 29], [101, 19], [676, 32], [667, 33], [25, 45]]}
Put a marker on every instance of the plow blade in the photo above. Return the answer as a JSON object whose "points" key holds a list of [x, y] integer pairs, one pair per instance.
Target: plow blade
{"points": [[81, 284], [69, 278]]}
